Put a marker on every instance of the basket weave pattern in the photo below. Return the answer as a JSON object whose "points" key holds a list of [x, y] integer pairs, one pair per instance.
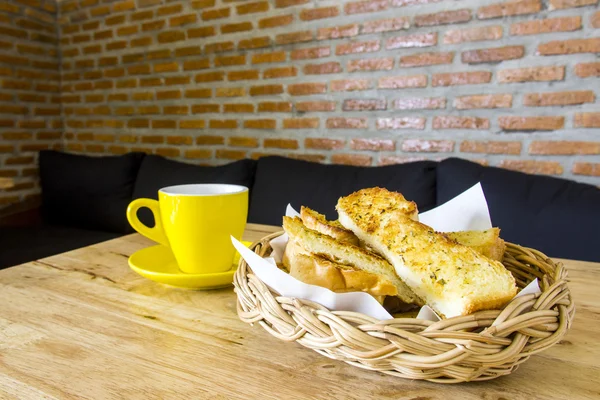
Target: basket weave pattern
{"points": [[480, 346]]}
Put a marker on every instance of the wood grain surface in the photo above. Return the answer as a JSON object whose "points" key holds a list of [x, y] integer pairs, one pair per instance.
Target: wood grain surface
{"points": [[82, 325]]}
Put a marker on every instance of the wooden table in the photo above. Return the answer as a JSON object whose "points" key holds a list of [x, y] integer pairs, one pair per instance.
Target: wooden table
{"points": [[83, 325]]}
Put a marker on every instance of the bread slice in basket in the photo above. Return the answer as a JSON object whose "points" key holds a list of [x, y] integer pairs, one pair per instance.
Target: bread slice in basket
{"points": [[451, 278], [346, 254]]}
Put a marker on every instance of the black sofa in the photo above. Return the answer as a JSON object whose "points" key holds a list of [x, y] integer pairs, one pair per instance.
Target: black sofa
{"points": [[84, 198]]}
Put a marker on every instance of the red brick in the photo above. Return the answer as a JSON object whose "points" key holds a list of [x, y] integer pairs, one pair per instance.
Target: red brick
{"points": [[238, 108], [289, 3], [563, 147], [204, 31], [192, 124], [461, 78], [533, 74], [272, 22], [294, 37], [239, 27], [531, 123], [533, 167], [164, 124], [205, 108], [586, 70], [274, 57], [153, 26], [138, 123], [364, 105], [315, 106], [303, 89], [145, 110], [183, 19], [280, 143], [416, 103], [324, 144], [427, 146], [251, 8], [443, 18], [266, 90], [240, 141], [572, 46], [560, 4], [170, 36], [254, 43], [400, 123], [198, 154], [360, 7], [168, 95], [509, 8], [229, 60], [202, 63], [356, 47], [216, 13], [313, 52], [370, 64], [590, 169], [483, 101], [260, 124], [349, 85], [230, 92], [373, 144], [558, 98], [493, 55], [300, 123], [414, 40], [565, 24], [307, 157], [587, 120], [385, 25], [473, 34], [210, 76], [209, 140], [251, 74], [595, 20], [351, 159], [401, 82], [272, 106], [337, 32], [454, 122], [346, 123], [491, 147], [282, 72], [180, 140], [218, 47], [422, 59], [223, 124], [332, 67], [309, 14]]}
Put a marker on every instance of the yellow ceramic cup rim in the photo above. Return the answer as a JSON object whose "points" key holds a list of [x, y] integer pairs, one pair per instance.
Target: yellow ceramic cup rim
{"points": [[203, 189]]}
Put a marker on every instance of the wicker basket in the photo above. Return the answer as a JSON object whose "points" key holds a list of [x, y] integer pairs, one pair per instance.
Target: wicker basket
{"points": [[480, 346]]}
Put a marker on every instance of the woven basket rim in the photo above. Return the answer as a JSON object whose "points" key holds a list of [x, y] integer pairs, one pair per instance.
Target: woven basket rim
{"points": [[507, 337]]}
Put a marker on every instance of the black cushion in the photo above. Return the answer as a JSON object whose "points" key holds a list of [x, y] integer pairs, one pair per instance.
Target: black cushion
{"points": [[560, 218], [87, 192], [280, 181], [157, 172], [20, 245]]}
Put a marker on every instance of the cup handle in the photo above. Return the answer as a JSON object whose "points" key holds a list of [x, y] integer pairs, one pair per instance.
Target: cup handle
{"points": [[155, 233]]}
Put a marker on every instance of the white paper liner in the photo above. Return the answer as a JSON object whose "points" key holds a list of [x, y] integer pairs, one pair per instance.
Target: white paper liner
{"points": [[467, 211]]}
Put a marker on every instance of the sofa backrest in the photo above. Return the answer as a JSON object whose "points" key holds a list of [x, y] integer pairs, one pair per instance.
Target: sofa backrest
{"points": [[559, 217], [280, 181], [87, 192], [157, 172]]}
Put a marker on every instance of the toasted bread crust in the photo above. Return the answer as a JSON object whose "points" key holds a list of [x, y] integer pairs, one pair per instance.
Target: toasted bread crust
{"points": [[442, 272], [347, 254], [317, 222]]}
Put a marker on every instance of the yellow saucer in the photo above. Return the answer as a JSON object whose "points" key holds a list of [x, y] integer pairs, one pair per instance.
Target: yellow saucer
{"points": [[157, 263]]}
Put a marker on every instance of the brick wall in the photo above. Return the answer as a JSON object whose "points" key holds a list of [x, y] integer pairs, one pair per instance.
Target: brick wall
{"points": [[511, 84], [29, 91]]}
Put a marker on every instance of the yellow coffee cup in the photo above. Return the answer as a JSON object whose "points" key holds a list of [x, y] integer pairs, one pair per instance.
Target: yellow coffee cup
{"points": [[196, 222]]}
